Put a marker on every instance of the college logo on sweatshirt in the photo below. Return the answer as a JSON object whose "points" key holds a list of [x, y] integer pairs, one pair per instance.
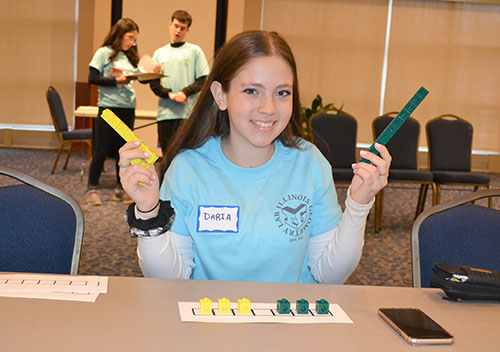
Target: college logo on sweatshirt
{"points": [[293, 215]]}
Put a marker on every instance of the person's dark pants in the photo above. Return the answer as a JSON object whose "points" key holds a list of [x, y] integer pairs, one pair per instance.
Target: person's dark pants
{"points": [[166, 131], [107, 143]]}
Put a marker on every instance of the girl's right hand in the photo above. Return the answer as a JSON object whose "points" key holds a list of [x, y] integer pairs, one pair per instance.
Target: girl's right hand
{"points": [[122, 79], [147, 194]]}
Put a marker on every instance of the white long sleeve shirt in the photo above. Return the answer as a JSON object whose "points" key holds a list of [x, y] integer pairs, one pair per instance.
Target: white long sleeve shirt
{"points": [[332, 256]]}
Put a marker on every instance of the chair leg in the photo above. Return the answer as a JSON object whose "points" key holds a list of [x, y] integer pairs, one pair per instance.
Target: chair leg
{"points": [[381, 212], [490, 199], [422, 196], [61, 146], [69, 154], [379, 208], [436, 196], [89, 153], [474, 190], [377, 200]]}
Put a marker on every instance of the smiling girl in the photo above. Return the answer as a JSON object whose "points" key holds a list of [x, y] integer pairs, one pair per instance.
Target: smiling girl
{"points": [[253, 201]]}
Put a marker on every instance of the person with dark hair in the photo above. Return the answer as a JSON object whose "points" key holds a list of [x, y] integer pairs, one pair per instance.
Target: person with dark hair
{"points": [[186, 68], [116, 58], [253, 200]]}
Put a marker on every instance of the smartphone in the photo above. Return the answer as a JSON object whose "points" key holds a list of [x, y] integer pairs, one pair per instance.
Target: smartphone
{"points": [[416, 327]]}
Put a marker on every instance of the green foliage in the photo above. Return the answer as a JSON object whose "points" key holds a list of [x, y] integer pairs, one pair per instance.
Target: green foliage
{"points": [[316, 108]]}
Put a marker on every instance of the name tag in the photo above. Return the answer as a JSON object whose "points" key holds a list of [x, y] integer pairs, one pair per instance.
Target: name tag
{"points": [[218, 218]]}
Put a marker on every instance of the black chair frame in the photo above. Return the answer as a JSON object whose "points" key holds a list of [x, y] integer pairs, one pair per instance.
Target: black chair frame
{"points": [[65, 137], [436, 185], [343, 154], [404, 169]]}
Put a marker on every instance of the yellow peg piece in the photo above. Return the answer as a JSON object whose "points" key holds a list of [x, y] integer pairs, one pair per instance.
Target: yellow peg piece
{"points": [[224, 306], [244, 306], [128, 135], [205, 306]]}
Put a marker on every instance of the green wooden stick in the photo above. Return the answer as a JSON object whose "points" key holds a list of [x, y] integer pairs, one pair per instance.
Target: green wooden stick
{"points": [[396, 124]]}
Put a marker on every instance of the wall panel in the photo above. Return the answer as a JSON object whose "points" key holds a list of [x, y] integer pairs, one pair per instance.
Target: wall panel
{"points": [[339, 48], [37, 49], [453, 49]]}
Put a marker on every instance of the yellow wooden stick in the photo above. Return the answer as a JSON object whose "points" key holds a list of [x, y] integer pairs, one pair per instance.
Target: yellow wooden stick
{"points": [[128, 135]]}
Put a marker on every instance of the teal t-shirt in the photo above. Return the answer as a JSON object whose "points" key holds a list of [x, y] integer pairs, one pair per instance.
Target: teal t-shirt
{"points": [[252, 224], [183, 65], [123, 95]]}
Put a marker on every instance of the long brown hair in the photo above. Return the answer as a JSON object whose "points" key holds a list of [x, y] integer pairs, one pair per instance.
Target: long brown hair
{"points": [[114, 39], [206, 120]]}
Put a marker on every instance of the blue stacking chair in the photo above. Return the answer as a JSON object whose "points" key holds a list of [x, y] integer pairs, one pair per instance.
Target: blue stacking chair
{"points": [[334, 132], [404, 168], [456, 232], [66, 137], [41, 228], [449, 138]]}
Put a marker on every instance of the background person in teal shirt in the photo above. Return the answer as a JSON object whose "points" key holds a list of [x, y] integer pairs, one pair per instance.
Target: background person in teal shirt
{"points": [[186, 68], [253, 201], [116, 58]]}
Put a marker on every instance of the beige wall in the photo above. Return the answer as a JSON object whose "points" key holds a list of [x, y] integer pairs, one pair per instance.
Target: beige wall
{"points": [[37, 49], [235, 17], [86, 20], [339, 49], [451, 48], [243, 15], [456, 56]]}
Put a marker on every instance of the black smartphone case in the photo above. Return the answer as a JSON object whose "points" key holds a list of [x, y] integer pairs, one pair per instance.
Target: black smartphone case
{"points": [[466, 283]]}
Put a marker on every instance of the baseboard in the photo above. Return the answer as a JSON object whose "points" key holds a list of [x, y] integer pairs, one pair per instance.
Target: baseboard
{"points": [[28, 139]]}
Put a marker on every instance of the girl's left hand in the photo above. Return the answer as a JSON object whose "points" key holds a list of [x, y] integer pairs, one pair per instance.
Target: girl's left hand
{"points": [[369, 179], [157, 68]]}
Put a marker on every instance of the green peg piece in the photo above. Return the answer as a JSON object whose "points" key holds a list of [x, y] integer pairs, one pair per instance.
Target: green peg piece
{"points": [[322, 306], [283, 306], [302, 306]]}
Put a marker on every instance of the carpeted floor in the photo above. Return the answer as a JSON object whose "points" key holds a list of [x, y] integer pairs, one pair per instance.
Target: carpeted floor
{"points": [[108, 250]]}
